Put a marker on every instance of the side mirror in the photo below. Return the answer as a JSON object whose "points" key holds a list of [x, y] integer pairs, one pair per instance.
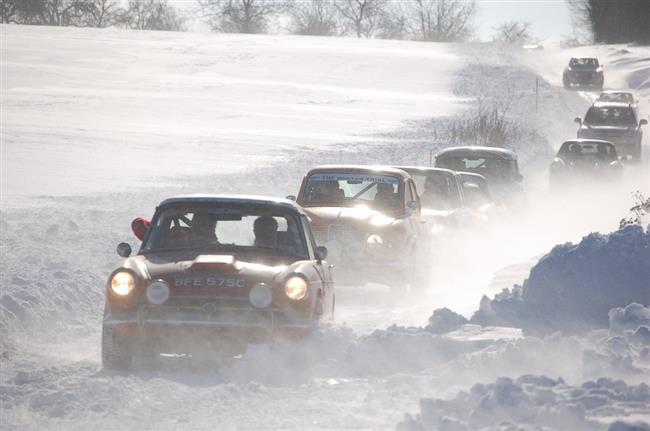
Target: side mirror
{"points": [[643, 122], [578, 120], [291, 197], [123, 249], [412, 205], [320, 253]]}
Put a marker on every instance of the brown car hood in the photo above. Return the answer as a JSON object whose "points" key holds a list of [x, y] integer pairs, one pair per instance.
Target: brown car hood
{"points": [[165, 265], [356, 217]]}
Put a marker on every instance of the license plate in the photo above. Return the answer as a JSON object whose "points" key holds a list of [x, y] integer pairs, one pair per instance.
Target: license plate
{"points": [[210, 282]]}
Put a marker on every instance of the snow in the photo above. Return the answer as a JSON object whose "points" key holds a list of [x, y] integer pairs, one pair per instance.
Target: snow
{"points": [[98, 126], [574, 286], [84, 108]]}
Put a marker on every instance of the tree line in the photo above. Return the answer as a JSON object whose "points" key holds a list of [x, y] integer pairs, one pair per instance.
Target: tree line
{"points": [[426, 20], [613, 21]]}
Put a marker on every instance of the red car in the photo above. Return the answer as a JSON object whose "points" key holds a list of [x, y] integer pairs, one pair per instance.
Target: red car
{"points": [[369, 219], [216, 272]]}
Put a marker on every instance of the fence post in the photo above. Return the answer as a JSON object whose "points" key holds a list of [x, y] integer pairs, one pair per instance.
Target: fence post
{"points": [[536, 92]]}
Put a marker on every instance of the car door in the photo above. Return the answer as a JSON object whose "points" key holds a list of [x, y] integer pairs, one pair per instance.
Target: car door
{"points": [[324, 270], [414, 214]]}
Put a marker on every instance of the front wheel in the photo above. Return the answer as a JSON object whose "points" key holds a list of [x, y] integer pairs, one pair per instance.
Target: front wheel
{"points": [[116, 350]]}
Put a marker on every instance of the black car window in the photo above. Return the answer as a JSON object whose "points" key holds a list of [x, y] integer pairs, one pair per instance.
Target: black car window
{"points": [[610, 116], [226, 228], [588, 151], [352, 189], [584, 63]]}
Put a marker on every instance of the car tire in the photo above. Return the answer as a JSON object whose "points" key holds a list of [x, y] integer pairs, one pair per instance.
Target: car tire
{"points": [[116, 350]]}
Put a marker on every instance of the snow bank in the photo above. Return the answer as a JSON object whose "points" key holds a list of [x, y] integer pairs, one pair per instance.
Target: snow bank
{"points": [[530, 402], [573, 287]]}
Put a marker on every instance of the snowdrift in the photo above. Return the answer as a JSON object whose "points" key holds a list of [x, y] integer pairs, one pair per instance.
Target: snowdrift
{"points": [[530, 402], [571, 289]]}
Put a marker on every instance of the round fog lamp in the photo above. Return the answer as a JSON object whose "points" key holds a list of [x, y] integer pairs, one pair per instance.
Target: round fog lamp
{"points": [[260, 296], [122, 283], [375, 239], [296, 288], [158, 292]]}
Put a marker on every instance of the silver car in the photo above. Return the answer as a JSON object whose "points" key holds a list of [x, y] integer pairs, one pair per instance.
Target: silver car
{"points": [[617, 123]]}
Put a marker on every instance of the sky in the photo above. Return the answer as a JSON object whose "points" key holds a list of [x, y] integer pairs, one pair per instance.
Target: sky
{"points": [[549, 19]]}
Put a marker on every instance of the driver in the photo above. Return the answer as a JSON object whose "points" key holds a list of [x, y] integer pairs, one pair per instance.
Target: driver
{"points": [[384, 195], [575, 151], [435, 192], [203, 229], [266, 232], [329, 191]]}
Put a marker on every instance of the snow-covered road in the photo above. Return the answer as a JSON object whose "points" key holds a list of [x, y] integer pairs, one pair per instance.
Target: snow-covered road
{"points": [[105, 123]]}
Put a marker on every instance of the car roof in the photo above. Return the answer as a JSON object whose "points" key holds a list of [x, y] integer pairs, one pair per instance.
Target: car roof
{"points": [[369, 169], [496, 152], [602, 104], [472, 175], [615, 92], [232, 199], [424, 169], [587, 141]]}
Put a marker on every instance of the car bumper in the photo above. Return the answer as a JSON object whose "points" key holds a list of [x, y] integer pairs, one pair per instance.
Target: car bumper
{"points": [[250, 324]]}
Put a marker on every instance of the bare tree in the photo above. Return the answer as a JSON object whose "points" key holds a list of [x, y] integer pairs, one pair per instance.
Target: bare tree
{"points": [[44, 12], [613, 21], [241, 16], [9, 11], [513, 32], [393, 23], [152, 15], [315, 17], [442, 20], [361, 16], [101, 13]]}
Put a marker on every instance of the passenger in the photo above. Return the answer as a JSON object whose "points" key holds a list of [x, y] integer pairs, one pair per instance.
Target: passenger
{"points": [[266, 232], [140, 226], [384, 196], [575, 151], [204, 230], [603, 154]]}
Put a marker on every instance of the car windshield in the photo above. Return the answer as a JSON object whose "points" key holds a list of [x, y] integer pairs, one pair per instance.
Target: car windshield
{"points": [[583, 63], [494, 169], [437, 190], [588, 151], [616, 97], [231, 228], [610, 116], [343, 189]]}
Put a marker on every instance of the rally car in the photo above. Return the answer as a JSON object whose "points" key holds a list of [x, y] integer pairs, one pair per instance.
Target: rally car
{"points": [[450, 199], [497, 165], [583, 72], [584, 159], [369, 219], [216, 272], [614, 122]]}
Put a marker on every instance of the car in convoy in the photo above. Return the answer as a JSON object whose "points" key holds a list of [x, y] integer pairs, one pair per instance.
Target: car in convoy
{"points": [[614, 122], [497, 165], [617, 97], [450, 199], [216, 272], [584, 159], [583, 72], [369, 219]]}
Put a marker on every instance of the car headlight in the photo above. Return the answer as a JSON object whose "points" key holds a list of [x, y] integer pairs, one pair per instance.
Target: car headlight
{"points": [[375, 239], [158, 292], [295, 288], [122, 283]]}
